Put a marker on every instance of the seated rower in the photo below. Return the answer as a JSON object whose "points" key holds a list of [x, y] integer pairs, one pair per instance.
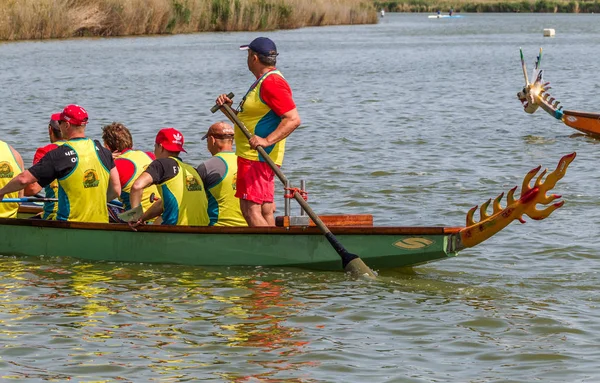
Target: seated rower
{"points": [[130, 163], [219, 175], [183, 200], [86, 173], [51, 190], [11, 165]]}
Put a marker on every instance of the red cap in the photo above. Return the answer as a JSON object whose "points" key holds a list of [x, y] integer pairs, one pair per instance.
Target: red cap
{"points": [[171, 139], [54, 119], [74, 115]]}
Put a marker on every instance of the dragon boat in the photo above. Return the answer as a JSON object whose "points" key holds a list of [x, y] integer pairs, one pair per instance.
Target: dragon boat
{"points": [[293, 242], [535, 95]]}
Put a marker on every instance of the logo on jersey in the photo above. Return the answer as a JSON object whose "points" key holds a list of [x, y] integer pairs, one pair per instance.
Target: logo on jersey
{"points": [[234, 183], [6, 171], [192, 184], [90, 179]]}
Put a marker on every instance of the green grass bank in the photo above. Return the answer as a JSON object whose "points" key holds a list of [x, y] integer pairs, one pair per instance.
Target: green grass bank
{"points": [[47, 19], [542, 6]]}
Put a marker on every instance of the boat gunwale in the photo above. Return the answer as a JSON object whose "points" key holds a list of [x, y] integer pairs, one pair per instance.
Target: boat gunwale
{"points": [[577, 113], [338, 230]]}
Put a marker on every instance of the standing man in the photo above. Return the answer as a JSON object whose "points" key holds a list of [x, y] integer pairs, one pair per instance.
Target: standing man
{"points": [[86, 173], [269, 112], [219, 175], [51, 190], [183, 200], [11, 165], [130, 163]]}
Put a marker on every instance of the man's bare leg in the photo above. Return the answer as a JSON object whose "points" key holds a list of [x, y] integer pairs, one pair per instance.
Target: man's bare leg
{"points": [[268, 208], [253, 213]]}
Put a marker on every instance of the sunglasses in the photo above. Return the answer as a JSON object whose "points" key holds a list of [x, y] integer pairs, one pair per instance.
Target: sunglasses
{"points": [[221, 136]]}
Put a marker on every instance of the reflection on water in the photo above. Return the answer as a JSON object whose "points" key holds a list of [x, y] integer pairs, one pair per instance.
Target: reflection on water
{"points": [[166, 316], [259, 321]]}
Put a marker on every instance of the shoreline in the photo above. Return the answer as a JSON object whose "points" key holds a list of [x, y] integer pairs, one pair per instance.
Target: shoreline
{"points": [[490, 6], [65, 19]]}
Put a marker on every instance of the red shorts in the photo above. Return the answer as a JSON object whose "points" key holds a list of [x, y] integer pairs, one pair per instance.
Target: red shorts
{"points": [[255, 181]]}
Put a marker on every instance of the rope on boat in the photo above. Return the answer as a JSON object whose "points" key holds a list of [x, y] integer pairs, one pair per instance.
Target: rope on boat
{"points": [[303, 193]]}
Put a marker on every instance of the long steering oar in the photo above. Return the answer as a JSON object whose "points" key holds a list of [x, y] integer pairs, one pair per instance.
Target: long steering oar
{"points": [[351, 262]]}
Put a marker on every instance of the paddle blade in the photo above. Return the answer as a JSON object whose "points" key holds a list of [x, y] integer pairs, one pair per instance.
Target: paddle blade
{"points": [[132, 215], [350, 262]]}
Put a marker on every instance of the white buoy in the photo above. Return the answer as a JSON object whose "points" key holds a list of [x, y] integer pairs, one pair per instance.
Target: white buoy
{"points": [[548, 32]]}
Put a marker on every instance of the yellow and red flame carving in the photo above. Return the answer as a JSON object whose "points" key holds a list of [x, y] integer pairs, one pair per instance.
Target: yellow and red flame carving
{"points": [[488, 225]]}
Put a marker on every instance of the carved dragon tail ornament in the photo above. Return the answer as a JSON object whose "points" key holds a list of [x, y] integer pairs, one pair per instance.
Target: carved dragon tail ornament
{"points": [[477, 232]]}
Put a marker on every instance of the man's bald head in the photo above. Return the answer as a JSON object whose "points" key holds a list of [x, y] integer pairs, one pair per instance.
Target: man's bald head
{"points": [[220, 131], [219, 137]]}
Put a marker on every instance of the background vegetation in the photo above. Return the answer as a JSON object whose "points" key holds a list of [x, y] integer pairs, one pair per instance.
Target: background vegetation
{"points": [[566, 6], [44, 19]]}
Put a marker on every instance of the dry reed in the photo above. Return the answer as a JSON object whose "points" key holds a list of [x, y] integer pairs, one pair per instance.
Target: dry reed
{"points": [[46, 19]]}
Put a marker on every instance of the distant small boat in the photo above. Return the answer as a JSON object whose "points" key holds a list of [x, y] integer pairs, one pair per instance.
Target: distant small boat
{"points": [[444, 16]]}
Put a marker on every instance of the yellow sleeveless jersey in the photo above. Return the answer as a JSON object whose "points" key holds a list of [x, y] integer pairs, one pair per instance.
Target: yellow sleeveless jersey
{"points": [[82, 192], [140, 161], [51, 191], [223, 206], [9, 169], [184, 198], [261, 121]]}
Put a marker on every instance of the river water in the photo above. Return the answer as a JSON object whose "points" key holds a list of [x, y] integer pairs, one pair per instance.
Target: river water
{"points": [[413, 120]]}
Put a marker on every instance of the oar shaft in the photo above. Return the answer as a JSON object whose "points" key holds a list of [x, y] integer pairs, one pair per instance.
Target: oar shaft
{"points": [[350, 262], [234, 118], [28, 199]]}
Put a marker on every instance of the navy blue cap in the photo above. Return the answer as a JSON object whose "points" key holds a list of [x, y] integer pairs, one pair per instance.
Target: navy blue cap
{"points": [[263, 46]]}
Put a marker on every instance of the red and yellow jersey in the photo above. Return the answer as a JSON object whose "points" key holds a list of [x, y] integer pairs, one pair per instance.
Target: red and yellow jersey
{"points": [[137, 163], [262, 119]]}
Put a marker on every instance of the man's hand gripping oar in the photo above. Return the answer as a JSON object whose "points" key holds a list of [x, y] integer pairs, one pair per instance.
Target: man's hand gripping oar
{"points": [[351, 262]]}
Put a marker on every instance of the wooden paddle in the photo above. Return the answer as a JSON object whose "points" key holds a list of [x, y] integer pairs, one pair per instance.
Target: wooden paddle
{"points": [[350, 262]]}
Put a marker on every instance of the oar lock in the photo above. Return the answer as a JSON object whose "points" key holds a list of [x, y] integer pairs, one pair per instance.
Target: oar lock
{"points": [[302, 219]]}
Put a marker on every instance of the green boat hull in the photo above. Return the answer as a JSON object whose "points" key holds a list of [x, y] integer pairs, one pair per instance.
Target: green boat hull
{"points": [[379, 247]]}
